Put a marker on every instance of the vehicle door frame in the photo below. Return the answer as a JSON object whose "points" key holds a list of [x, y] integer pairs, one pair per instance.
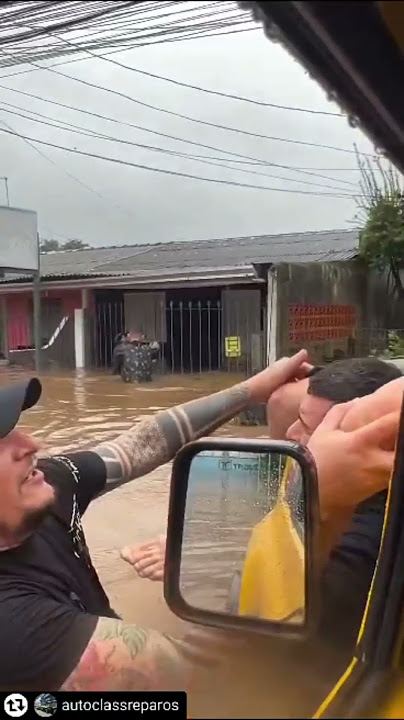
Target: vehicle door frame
{"points": [[367, 681]]}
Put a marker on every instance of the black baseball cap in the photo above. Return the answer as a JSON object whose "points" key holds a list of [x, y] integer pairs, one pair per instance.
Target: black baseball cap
{"points": [[15, 399]]}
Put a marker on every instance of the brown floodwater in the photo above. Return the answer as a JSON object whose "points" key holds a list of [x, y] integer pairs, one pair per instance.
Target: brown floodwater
{"points": [[80, 409]]}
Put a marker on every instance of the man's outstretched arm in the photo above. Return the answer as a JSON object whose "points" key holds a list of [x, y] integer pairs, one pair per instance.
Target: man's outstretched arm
{"points": [[157, 439]]}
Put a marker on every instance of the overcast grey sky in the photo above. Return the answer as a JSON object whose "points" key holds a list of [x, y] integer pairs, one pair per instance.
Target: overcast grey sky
{"points": [[141, 206]]}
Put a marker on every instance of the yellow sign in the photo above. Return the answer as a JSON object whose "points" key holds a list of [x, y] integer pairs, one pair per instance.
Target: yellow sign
{"points": [[232, 347]]}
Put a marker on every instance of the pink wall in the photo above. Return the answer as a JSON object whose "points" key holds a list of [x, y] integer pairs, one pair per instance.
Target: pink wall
{"points": [[71, 299], [19, 310]]}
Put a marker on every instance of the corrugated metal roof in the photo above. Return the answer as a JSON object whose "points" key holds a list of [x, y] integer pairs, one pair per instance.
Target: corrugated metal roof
{"points": [[327, 246]]}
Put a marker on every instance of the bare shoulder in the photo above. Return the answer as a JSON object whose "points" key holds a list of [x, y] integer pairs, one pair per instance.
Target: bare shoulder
{"points": [[128, 657]]}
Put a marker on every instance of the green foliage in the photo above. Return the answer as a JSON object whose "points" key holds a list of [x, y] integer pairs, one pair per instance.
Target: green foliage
{"points": [[55, 245], [382, 238], [49, 246], [74, 245], [395, 344], [382, 206]]}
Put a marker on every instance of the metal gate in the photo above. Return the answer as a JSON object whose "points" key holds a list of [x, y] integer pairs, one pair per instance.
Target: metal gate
{"points": [[194, 342]]}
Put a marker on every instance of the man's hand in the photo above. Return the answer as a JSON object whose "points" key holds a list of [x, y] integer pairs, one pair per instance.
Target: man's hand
{"points": [[285, 370], [283, 407], [352, 466]]}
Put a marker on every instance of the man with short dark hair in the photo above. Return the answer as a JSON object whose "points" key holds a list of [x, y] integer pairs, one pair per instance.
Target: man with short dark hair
{"points": [[338, 382]]}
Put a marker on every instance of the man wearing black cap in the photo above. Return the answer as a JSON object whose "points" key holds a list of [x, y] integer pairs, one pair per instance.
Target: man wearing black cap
{"points": [[57, 628]]}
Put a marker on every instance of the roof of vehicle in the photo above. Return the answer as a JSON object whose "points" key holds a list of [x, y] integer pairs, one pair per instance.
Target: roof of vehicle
{"points": [[355, 50]]}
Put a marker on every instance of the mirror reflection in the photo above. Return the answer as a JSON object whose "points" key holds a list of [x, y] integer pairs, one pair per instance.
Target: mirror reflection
{"points": [[244, 536]]}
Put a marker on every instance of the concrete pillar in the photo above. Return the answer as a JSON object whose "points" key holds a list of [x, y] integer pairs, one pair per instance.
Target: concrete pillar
{"points": [[79, 338], [272, 319], [84, 298], [37, 321], [85, 302]]}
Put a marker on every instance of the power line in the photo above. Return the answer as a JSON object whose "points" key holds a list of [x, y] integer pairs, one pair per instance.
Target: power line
{"points": [[125, 20], [110, 52], [218, 162], [356, 169], [129, 46], [193, 14], [30, 142], [231, 154], [66, 24], [174, 173], [199, 121], [198, 87]]}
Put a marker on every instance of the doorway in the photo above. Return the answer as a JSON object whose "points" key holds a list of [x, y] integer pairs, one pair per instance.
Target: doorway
{"points": [[194, 330]]}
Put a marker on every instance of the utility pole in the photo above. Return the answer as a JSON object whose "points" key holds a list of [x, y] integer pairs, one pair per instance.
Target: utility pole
{"points": [[6, 187], [37, 315]]}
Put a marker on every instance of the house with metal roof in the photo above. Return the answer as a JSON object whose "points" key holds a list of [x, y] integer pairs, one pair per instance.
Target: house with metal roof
{"points": [[232, 302], [160, 264]]}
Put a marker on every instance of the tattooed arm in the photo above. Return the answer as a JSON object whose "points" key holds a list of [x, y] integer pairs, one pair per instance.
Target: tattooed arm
{"points": [[128, 657], [156, 440]]}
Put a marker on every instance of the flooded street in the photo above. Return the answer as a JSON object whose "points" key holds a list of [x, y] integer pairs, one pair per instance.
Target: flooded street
{"points": [[80, 410], [228, 495]]}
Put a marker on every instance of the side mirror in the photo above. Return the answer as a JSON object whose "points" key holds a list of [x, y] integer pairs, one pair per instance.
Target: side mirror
{"points": [[241, 540]]}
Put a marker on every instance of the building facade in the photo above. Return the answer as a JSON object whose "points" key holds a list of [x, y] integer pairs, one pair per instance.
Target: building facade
{"points": [[228, 304]]}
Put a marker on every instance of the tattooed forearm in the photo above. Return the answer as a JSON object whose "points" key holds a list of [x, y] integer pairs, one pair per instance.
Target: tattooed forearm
{"points": [[155, 441], [127, 657], [134, 453], [201, 417]]}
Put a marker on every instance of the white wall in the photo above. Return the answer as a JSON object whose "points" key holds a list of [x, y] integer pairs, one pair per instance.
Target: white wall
{"points": [[272, 320], [18, 239]]}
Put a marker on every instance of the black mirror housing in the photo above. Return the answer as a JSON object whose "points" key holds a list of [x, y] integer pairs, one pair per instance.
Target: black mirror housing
{"points": [[307, 510]]}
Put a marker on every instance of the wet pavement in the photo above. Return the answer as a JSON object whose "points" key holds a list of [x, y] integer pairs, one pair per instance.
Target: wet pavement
{"points": [[78, 411]]}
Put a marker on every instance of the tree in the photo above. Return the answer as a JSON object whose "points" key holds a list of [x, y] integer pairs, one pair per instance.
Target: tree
{"points": [[74, 245], [46, 246], [49, 246], [381, 240]]}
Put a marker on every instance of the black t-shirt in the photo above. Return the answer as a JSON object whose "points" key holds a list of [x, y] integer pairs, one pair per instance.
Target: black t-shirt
{"points": [[348, 575], [50, 594], [344, 588]]}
